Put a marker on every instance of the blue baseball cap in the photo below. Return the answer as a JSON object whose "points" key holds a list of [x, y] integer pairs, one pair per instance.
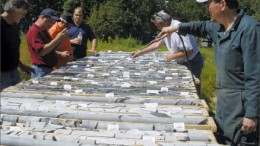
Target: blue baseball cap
{"points": [[50, 13]]}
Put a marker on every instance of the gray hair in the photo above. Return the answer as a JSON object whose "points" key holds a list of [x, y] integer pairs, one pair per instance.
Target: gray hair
{"points": [[15, 5], [161, 17]]}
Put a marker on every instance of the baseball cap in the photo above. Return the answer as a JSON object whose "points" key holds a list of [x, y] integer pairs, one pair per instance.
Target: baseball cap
{"points": [[50, 13], [67, 17], [201, 1]]}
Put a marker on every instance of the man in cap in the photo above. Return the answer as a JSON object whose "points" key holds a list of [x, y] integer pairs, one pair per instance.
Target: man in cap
{"points": [[14, 11], [235, 36], [41, 46], [65, 48], [175, 46]]}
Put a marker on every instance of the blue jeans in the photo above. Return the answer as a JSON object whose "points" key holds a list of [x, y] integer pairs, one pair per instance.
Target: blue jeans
{"points": [[9, 78], [40, 71]]}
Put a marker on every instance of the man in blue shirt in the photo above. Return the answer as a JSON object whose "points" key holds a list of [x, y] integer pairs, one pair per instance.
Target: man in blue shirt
{"points": [[235, 37], [80, 34]]}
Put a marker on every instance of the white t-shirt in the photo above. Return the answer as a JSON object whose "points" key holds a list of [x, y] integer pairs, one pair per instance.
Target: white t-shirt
{"points": [[174, 44]]}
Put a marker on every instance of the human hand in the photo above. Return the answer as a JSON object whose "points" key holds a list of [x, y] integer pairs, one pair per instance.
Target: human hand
{"points": [[75, 41], [166, 31], [170, 57], [249, 125], [136, 53], [65, 54]]}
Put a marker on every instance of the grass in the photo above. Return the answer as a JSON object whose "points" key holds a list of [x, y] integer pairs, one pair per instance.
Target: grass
{"points": [[208, 76]]}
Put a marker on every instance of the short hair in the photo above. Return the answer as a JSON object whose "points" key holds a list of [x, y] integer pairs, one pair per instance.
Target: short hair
{"points": [[15, 5], [232, 4], [161, 17]]}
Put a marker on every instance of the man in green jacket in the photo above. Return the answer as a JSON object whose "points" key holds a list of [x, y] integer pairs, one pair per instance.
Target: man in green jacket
{"points": [[235, 37]]}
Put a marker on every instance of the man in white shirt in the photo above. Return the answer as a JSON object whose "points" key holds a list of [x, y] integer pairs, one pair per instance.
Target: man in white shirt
{"points": [[175, 46]]}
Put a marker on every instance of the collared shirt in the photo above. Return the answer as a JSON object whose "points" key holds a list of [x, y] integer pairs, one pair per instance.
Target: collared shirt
{"points": [[65, 46], [174, 44], [36, 40], [79, 51], [237, 56]]}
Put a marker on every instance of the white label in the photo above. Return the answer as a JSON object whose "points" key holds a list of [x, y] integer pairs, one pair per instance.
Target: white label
{"points": [[126, 85], [66, 94], [110, 95], [66, 78], [67, 87], [112, 127], [184, 93], [161, 71], [35, 82], [113, 71], [168, 78], [74, 79], [54, 84], [137, 74], [90, 76], [153, 82], [175, 74], [126, 76], [79, 91], [149, 138], [94, 83], [179, 126], [89, 70], [106, 74], [152, 91], [164, 89]]}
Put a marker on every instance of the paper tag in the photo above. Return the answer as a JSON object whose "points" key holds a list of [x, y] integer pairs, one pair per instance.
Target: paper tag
{"points": [[66, 78], [168, 78], [126, 76], [113, 71], [175, 74], [161, 71], [110, 94], [164, 89], [94, 83], [90, 76], [184, 93], [67, 87], [151, 105], [126, 85], [179, 126], [149, 138], [54, 84], [106, 74], [35, 82], [112, 127], [74, 79], [152, 91], [153, 82], [79, 91], [89, 70], [137, 74], [66, 94]]}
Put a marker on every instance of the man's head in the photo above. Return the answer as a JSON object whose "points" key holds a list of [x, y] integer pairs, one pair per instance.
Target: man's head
{"points": [[66, 20], [161, 19], [47, 18], [17, 9], [78, 15], [231, 4]]}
